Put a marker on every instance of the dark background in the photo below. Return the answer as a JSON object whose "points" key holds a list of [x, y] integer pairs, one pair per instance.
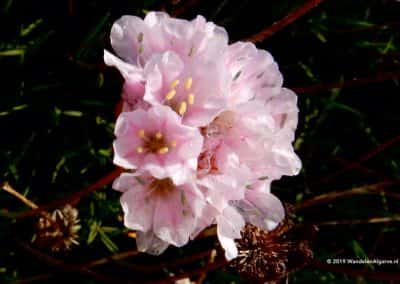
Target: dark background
{"points": [[57, 104]]}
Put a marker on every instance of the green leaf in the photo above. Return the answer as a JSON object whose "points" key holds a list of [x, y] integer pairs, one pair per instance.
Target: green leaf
{"points": [[108, 229], [360, 253], [13, 52], [26, 31], [92, 35], [13, 109], [111, 246], [94, 230], [74, 113]]}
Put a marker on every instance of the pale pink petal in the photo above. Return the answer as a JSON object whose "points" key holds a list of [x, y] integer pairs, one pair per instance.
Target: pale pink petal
{"points": [[174, 218], [254, 73], [181, 144], [128, 38], [132, 95], [125, 182], [207, 87], [229, 246], [206, 218], [222, 188], [159, 207], [128, 71], [261, 209], [148, 242], [137, 206], [229, 225]]}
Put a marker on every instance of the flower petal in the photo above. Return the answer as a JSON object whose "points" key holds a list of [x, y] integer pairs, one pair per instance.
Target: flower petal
{"points": [[138, 208], [173, 220], [127, 70], [261, 209], [148, 242], [229, 225]]}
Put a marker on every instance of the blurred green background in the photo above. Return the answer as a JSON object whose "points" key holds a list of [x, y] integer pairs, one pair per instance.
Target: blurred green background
{"points": [[57, 117]]}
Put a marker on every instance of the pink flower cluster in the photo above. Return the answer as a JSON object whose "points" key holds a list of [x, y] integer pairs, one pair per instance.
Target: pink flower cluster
{"points": [[206, 126]]}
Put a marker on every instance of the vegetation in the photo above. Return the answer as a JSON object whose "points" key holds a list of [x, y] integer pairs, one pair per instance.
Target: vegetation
{"points": [[57, 115]]}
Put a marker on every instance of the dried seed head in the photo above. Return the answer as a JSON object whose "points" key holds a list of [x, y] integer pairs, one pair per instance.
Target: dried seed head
{"points": [[270, 256], [58, 230]]}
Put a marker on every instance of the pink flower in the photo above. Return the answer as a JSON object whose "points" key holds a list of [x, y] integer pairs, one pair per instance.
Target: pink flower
{"points": [[194, 90], [254, 73], [148, 242], [156, 141], [260, 207], [132, 95], [157, 206], [180, 61], [260, 133], [278, 151], [227, 183], [137, 40], [206, 126], [229, 225]]}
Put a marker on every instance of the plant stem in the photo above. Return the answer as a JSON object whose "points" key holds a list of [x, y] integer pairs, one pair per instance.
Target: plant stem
{"points": [[370, 154], [378, 78], [284, 22], [333, 195], [75, 197], [373, 220], [7, 187]]}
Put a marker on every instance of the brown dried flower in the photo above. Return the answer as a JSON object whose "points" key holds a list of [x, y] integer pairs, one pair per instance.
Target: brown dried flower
{"points": [[59, 230], [270, 256]]}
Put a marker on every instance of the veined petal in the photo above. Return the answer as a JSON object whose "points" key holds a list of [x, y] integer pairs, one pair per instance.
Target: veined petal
{"points": [[128, 71], [261, 209], [148, 242]]}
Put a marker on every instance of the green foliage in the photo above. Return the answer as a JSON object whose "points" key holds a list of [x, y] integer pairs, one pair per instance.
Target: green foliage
{"points": [[57, 118]]}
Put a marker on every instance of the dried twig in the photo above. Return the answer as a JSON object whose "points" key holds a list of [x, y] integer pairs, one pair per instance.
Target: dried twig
{"points": [[98, 262], [198, 271], [149, 268], [361, 168], [64, 266], [287, 20], [333, 195], [373, 220], [378, 78], [370, 154], [7, 187], [211, 259], [75, 197]]}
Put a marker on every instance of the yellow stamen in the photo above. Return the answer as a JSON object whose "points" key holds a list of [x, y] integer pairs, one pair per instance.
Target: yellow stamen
{"points": [[158, 135], [191, 99], [163, 150], [173, 143], [170, 94], [132, 235], [141, 133], [188, 83], [140, 37], [174, 84], [141, 49], [182, 108], [139, 150]]}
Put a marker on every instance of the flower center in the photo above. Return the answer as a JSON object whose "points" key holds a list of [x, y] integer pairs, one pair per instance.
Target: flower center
{"points": [[162, 186], [180, 105], [155, 143]]}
